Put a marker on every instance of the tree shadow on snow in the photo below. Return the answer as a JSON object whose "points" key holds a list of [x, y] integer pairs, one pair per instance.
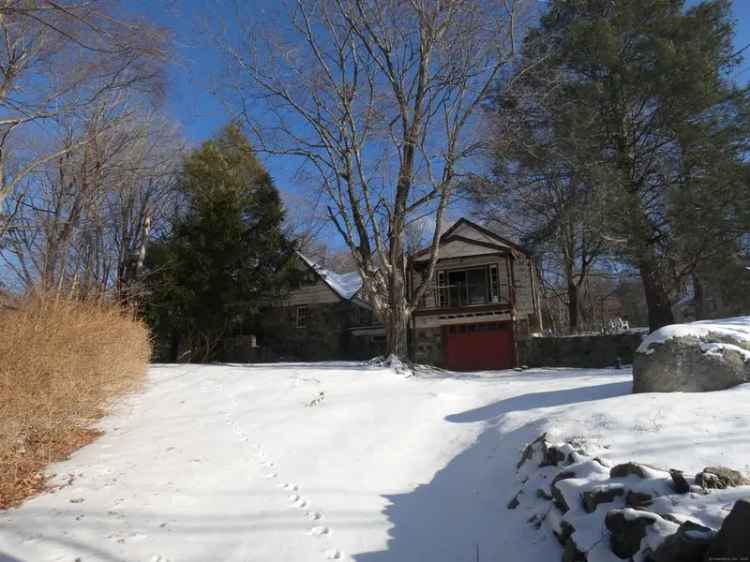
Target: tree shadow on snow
{"points": [[546, 399], [461, 514]]}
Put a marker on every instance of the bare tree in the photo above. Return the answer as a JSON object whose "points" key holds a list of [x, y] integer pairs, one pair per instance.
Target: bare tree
{"points": [[58, 57], [85, 221], [378, 98]]}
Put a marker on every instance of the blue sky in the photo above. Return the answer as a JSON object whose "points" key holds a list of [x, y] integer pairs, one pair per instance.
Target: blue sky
{"points": [[190, 99]]}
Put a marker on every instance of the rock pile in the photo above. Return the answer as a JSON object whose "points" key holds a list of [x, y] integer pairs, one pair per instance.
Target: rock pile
{"points": [[632, 511]]}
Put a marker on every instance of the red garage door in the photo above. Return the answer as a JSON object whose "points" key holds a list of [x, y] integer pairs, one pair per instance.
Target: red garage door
{"points": [[477, 347]]}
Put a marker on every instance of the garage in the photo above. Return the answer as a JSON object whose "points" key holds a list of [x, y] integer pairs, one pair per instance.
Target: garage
{"points": [[478, 347]]}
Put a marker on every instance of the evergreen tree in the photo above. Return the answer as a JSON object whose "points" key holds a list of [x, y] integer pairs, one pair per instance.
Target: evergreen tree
{"points": [[226, 256], [542, 188], [648, 83]]}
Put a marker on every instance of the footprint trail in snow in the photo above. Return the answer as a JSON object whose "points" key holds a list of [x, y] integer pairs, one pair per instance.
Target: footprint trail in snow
{"points": [[295, 499]]}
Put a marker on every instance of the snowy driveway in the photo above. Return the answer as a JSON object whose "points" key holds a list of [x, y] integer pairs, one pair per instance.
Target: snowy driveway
{"points": [[300, 462]]}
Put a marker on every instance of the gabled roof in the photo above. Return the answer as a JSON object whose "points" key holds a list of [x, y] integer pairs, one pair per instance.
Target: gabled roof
{"points": [[462, 221], [486, 238], [345, 285]]}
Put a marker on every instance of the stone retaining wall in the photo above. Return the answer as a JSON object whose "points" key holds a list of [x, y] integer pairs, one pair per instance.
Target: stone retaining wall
{"points": [[596, 351]]}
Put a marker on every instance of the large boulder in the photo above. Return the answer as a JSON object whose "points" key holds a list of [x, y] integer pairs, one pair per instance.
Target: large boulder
{"points": [[695, 357]]}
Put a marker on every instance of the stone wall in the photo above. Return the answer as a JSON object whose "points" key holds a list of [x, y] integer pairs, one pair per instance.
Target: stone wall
{"points": [[322, 338], [428, 346], [596, 351]]}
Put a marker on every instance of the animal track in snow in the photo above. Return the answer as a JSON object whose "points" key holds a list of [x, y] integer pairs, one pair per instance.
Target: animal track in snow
{"points": [[317, 400], [320, 531], [259, 456]]}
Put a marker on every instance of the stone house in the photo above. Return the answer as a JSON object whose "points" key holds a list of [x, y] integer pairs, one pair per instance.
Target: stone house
{"points": [[323, 319], [484, 297]]}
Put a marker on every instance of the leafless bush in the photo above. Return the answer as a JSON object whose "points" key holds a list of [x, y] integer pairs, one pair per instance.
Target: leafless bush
{"points": [[62, 362]]}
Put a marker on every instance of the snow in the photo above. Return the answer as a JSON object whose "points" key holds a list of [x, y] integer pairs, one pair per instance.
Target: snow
{"points": [[735, 330], [347, 461], [718, 349], [346, 285]]}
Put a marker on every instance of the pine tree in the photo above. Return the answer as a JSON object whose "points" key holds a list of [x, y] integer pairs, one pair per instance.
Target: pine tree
{"points": [[226, 256], [648, 82]]}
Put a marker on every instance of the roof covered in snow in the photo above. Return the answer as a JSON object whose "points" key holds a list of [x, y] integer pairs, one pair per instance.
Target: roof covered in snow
{"points": [[345, 285]]}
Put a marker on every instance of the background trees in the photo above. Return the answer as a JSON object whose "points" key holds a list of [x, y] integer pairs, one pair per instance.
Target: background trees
{"points": [[59, 58], [634, 100], [86, 159], [225, 255], [84, 221]]}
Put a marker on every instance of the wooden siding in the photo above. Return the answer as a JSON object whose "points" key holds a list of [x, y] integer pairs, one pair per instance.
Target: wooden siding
{"points": [[466, 231], [523, 286], [312, 291], [318, 293], [458, 248]]}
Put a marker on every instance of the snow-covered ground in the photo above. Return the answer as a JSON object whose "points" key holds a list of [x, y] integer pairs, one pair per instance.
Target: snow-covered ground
{"points": [[305, 462]]}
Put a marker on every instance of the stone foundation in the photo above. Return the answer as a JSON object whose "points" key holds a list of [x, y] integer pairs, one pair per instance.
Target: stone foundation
{"points": [[428, 345]]}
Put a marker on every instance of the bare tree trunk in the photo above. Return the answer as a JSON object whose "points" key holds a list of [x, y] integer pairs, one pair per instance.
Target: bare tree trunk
{"points": [[573, 301], [396, 329], [657, 296], [396, 319], [699, 298]]}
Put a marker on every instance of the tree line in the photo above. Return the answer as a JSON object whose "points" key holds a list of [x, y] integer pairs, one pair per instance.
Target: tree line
{"points": [[102, 197], [596, 132], [623, 135]]}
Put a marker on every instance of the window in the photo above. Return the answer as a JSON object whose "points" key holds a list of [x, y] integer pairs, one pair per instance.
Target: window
{"points": [[494, 284], [441, 292], [481, 285], [301, 316], [467, 287]]}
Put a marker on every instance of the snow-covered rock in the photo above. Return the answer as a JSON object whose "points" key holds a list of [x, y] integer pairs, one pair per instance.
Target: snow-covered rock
{"points": [[695, 357], [733, 541], [630, 511]]}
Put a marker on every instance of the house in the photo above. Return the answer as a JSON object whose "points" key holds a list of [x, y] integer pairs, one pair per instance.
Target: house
{"points": [[323, 319], [483, 297]]}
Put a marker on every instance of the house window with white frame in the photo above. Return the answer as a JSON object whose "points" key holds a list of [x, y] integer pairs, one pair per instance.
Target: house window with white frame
{"points": [[302, 316]]}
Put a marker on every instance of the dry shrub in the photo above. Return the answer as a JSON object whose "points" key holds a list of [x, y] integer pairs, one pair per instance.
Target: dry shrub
{"points": [[62, 362]]}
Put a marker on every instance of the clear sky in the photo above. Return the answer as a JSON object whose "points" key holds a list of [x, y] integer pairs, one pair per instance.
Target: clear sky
{"points": [[191, 100]]}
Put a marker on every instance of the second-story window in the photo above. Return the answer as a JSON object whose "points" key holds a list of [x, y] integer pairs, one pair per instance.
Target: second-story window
{"points": [[455, 288], [494, 285], [441, 292], [467, 287]]}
